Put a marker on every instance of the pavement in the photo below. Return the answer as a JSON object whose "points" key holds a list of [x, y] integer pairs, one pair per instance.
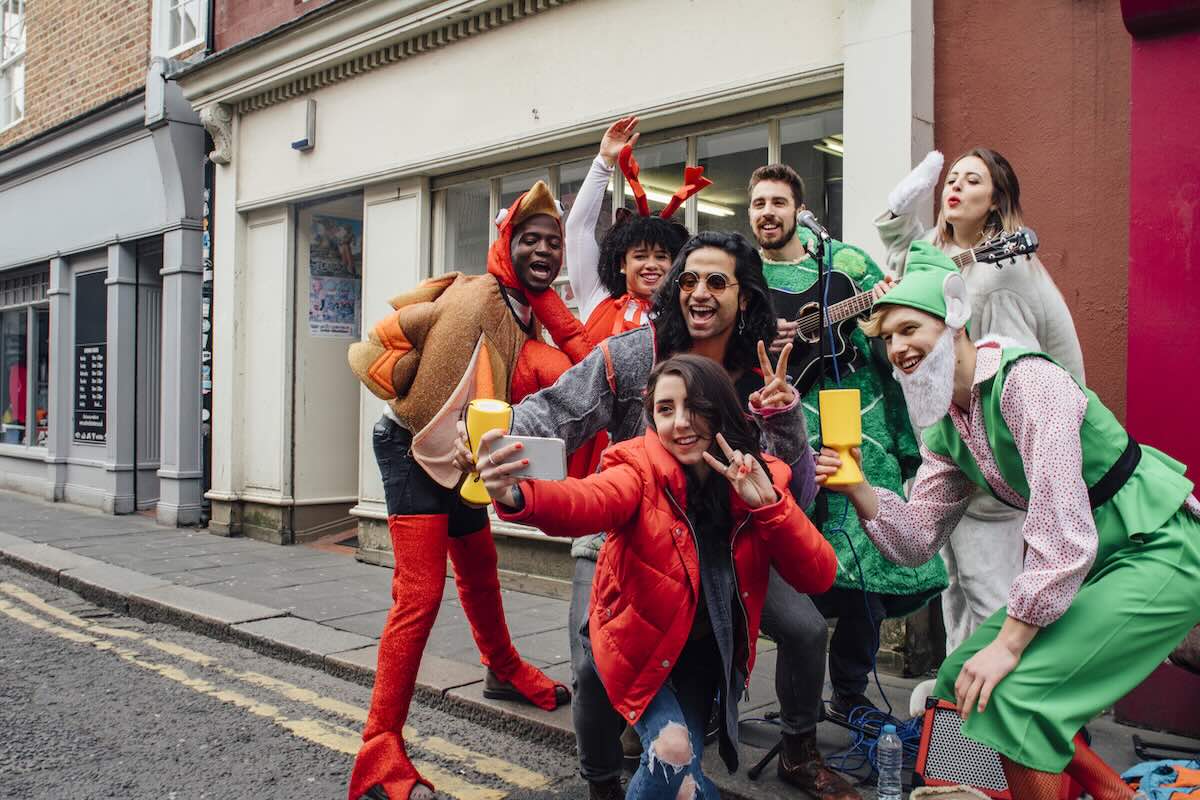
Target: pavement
{"points": [[317, 606]]}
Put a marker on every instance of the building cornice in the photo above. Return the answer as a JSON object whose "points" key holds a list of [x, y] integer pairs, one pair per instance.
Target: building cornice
{"points": [[349, 41]]}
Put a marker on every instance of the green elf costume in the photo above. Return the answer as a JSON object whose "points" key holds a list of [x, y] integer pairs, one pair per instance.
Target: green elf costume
{"points": [[889, 449], [1111, 573]]}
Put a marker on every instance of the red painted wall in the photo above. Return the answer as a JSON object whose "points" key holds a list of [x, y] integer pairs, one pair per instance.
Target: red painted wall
{"points": [[1046, 83], [239, 20], [1164, 245]]}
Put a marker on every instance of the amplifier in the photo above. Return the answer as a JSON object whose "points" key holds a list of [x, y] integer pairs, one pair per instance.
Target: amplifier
{"points": [[948, 758]]}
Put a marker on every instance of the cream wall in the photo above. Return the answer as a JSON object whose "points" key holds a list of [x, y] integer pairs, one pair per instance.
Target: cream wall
{"points": [[546, 82]]}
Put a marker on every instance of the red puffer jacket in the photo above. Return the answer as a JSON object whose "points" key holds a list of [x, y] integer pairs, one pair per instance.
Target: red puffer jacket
{"points": [[647, 581]]}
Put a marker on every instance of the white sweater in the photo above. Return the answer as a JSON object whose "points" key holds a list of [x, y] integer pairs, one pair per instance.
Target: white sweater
{"points": [[1017, 301]]}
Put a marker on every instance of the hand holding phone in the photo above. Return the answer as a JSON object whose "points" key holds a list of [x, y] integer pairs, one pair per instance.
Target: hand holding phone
{"points": [[547, 457]]}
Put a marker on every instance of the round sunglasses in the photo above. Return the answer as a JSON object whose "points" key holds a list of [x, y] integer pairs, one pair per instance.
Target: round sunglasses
{"points": [[715, 281]]}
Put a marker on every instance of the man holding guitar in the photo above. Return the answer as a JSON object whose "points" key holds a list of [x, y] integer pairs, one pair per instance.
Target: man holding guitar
{"points": [[890, 452]]}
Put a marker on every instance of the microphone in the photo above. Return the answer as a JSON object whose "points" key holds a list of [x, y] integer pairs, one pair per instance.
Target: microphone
{"points": [[809, 221]]}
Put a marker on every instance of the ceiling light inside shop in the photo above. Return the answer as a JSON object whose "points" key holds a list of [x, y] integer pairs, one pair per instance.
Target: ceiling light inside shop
{"points": [[659, 196], [831, 145]]}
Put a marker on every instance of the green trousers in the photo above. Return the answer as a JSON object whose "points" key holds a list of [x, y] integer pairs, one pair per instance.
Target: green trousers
{"points": [[1138, 602]]}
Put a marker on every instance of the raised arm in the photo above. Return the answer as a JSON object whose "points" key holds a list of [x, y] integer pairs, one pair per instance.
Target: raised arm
{"points": [[582, 249], [899, 226]]}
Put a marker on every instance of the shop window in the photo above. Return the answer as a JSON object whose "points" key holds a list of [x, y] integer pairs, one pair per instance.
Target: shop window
{"points": [[467, 220], [570, 180], [12, 62], [812, 145], [24, 376], [512, 186], [728, 159], [182, 24], [661, 173]]}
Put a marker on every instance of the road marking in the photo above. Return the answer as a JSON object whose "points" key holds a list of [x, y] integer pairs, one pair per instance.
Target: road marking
{"points": [[330, 736]]}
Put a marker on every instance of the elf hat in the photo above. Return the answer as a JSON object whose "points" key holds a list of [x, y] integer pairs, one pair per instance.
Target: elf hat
{"points": [[932, 284]]}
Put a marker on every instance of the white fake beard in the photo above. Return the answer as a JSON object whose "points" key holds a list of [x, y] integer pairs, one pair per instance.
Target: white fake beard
{"points": [[929, 390]]}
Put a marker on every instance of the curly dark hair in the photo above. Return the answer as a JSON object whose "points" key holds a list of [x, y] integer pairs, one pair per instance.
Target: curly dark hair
{"points": [[629, 233], [756, 322]]}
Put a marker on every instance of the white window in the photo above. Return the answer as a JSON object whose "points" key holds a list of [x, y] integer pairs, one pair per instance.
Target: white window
{"points": [[181, 25], [12, 62]]}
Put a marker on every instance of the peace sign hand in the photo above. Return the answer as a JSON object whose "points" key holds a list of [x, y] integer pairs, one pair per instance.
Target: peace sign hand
{"points": [[619, 134], [746, 474], [776, 391]]}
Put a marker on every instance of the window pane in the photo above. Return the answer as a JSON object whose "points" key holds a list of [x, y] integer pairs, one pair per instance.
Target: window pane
{"points": [[661, 174], [41, 385], [467, 219], [12, 29], [728, 159], [512, 186], [570, 179], [812, 145], [14, 377]]}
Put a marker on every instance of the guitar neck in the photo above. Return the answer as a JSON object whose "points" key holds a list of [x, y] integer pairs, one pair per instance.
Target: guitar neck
{"points": [[839, 312], [964, 259]]}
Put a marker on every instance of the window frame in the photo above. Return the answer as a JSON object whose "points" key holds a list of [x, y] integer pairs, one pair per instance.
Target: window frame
{"points": [[13, 62], [30, 299], [162, 26], [552, 162]]}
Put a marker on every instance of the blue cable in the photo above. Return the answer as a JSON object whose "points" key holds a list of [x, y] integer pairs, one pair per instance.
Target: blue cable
{"points": [[866, 721]]}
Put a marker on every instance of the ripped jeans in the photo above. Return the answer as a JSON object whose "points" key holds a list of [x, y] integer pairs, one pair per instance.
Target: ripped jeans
{"points": [[672, 729]]}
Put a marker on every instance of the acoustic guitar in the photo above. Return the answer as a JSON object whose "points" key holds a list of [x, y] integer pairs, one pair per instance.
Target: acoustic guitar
{"points": [[845, 304]]}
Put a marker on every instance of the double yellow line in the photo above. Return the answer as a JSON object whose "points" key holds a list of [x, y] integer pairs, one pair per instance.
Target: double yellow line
{"points": [[332, 736]]}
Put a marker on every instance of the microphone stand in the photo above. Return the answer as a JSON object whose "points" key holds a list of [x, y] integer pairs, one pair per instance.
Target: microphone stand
{"points": [[820, 253]]}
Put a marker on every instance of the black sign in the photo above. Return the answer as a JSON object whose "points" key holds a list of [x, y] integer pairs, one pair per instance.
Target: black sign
{"points": [[90, 378], [91, 350]]}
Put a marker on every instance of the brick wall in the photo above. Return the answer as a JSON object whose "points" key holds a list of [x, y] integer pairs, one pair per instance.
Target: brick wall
{"points": [[79, 54], [239, 20]]}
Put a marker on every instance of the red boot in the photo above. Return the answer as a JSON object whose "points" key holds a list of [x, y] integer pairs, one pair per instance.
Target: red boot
{"points": [[419, 545], [474, 559]]}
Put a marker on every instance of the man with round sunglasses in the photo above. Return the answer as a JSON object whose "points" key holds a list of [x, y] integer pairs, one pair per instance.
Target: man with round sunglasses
{"points": [[868, 587], [714, 303]]}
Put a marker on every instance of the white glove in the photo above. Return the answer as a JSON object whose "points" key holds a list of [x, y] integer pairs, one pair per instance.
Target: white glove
{"points": [[916, 184]]}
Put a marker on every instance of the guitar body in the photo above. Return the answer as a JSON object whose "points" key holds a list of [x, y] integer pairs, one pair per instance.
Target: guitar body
{"points": [[803, 366]]}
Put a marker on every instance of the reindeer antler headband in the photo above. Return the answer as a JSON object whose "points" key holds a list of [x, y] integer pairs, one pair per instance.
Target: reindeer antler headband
{"points": [[693, 182]]}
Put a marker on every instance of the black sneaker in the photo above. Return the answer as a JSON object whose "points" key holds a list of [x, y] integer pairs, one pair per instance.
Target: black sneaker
{"points": [[842, 706]]}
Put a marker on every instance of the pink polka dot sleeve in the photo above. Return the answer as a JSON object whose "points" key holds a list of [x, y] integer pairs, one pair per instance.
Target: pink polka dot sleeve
{"points": [[1044, 409], [910, 533]]}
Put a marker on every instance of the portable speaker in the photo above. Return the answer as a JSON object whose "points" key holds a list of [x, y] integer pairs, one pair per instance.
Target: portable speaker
{"points": [[947, 758]]}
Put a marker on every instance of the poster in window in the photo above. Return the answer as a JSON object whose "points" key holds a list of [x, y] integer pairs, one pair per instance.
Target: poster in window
{"points": [[335, 276]]}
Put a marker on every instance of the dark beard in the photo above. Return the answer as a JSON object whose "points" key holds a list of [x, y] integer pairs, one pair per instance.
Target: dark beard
{"points": [[788, 235]]}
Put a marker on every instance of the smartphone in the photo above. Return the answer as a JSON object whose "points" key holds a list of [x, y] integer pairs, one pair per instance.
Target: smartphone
{"points": [[547, 456]]}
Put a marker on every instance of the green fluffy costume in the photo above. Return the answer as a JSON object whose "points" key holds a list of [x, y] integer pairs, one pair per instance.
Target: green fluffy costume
{"points": [[889, 449]]}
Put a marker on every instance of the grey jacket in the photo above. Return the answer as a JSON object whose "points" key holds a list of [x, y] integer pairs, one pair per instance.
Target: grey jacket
{"points": [[582, 403]]}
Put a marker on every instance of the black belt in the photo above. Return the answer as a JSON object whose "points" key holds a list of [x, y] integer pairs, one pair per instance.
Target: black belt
{"points": [[1112, 481]]}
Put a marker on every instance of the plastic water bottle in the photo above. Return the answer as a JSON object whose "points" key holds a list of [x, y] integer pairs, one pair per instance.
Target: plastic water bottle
{"points": [[889, 760]]}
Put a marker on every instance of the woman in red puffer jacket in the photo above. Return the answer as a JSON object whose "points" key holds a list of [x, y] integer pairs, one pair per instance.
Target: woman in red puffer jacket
{"points": [[681, 579]]}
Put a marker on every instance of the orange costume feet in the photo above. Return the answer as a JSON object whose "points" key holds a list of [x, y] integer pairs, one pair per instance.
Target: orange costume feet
{"points": [[419, 544], [478, 582]]}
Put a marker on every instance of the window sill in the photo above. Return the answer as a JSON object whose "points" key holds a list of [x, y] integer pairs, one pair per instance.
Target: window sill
{"points": [[185, 47], [11, 125], [21, 451]]}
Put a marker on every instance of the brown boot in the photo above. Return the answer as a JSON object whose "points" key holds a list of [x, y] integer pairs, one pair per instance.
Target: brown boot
{"points": [[801, 765], [606, 790]]}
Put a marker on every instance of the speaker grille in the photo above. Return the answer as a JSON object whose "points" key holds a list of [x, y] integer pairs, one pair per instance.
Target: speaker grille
{"points": [[954, 758]]}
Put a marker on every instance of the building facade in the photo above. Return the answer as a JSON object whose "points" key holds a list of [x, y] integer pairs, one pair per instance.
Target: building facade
{"points": [[101, 167], [400, 128]]}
